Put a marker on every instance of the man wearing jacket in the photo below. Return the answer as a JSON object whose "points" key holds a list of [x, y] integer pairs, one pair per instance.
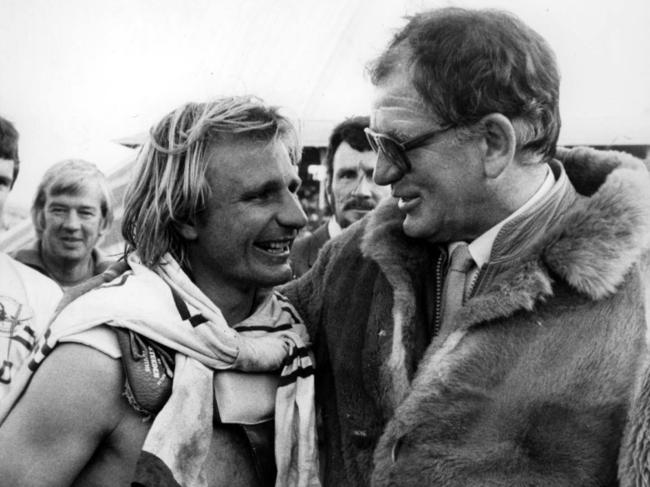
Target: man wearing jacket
{"points": [[485, 326], [350, 189]]}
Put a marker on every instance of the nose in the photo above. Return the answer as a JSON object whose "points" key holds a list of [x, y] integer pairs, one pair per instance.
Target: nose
{"points": [[363, 187], [291, 214], [385, 171], [72, 220]]}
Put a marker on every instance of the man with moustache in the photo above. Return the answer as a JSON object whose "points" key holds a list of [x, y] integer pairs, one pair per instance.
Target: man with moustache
{"points": [[180, 365], [71, 211], [349, 188], [486, 325]]}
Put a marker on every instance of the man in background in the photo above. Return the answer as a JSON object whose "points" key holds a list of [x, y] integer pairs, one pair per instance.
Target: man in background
{"points": [[486, 325], [71, 211], [9, 163], [27, 299], [351, 193]]}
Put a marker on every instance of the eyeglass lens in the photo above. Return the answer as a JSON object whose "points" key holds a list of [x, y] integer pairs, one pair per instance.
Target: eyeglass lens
{"points": [[394, 153]]}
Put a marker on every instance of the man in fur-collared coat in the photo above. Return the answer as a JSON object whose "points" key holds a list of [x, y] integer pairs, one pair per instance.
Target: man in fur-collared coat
{"points": [[486, 326]]}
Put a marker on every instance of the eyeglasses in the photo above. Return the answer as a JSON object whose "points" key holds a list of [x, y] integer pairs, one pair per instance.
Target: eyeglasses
{"points": [[395, 151]]}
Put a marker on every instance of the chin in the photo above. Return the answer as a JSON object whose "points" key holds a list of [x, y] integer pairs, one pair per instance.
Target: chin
{"points": [[276, 277], [352, 217], [418, 229], [411, 228]]}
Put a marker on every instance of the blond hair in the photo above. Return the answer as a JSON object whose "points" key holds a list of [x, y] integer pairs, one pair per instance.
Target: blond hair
{"points": [[71, 176], [170, 186]]}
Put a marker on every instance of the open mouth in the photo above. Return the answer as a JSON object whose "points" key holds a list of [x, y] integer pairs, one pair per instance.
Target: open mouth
{"points": [[275, 247]]}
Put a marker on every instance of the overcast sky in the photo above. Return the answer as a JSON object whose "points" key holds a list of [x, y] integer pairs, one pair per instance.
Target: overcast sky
{"points": [[75, 75]]}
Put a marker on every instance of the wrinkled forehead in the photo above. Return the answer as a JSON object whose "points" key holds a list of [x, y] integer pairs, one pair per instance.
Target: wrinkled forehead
{"points": [[398, 109]]}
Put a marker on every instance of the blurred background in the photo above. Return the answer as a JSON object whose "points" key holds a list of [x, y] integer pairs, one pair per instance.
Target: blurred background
{"points": [[86, 79]]}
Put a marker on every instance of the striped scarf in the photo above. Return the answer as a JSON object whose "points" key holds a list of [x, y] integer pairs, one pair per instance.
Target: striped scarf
{"points": [[166, 307]]}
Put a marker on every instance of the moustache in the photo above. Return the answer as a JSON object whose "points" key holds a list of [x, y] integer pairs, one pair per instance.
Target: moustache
{"points": [[360, 204]]}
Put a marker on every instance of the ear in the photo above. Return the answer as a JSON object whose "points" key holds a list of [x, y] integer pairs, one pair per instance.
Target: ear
{"points": [[38, 219], [328, 194], [500, 144], [188, 231], [103, 227]]}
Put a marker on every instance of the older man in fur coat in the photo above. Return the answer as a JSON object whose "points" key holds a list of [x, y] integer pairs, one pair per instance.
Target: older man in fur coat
{"points": [[535, 377], [534, 384]]}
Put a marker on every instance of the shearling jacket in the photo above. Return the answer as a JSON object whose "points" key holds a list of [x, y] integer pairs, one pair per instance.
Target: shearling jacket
{"points": [[304, 251], [539, 379]]}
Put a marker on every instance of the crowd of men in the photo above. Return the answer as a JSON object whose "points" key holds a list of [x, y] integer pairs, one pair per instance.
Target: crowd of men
{"points": [[473, 313]]}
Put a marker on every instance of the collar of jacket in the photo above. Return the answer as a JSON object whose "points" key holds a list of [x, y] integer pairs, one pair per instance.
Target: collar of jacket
{"points": [[591, 246], [32, 256]]}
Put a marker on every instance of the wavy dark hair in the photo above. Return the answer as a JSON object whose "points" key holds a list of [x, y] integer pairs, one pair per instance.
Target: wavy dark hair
{"points": [[351, 131], [466, 64]]}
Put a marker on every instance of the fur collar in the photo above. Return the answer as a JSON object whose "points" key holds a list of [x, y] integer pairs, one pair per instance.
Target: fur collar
{"points": [[592, 247]]}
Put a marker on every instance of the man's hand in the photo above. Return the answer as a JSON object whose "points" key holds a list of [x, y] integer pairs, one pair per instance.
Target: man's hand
{"points": [[262, 354]]}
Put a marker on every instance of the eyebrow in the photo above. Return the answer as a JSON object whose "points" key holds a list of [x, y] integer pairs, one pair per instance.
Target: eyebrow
{"points": [[269, 187], [56, 204], [342, 170]]}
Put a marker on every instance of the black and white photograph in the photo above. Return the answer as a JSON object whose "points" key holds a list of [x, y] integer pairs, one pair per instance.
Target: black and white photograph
{"points": [[325, 243]]}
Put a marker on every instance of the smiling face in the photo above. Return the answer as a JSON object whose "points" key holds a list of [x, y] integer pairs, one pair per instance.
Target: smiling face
{"points": [[71, 225], [243, 237], [443, 194]]}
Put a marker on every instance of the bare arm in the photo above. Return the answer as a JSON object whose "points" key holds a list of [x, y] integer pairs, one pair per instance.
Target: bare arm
{"points": [[72, 403]]}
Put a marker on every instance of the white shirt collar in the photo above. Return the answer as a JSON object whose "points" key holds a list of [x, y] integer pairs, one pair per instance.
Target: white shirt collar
{"points": [[333, 227], [481, 247]]}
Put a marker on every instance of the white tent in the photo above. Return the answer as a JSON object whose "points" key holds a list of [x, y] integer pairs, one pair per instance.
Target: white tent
{"points": [[76, 76]]}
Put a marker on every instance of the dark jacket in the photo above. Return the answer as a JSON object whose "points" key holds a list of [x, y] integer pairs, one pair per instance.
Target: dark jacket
{"points": [[534, 383], [305, 249], [31, 256]]}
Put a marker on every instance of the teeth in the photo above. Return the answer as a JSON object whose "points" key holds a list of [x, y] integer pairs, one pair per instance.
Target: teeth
{"points": [[275, 247]]}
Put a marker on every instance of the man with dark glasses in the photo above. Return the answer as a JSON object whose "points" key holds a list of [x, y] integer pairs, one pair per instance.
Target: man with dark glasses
{"points": [[486, 324], [395, 150]]}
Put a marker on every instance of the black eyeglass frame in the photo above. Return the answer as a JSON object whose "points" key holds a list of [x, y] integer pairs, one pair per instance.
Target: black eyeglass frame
{"points": [[398, 156]]}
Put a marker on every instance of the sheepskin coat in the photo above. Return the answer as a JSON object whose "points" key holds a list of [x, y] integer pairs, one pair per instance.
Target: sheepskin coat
{"points": [[536, 382]]}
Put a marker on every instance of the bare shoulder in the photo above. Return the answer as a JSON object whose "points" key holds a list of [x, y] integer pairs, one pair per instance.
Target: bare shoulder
{"points": [[72, 403], [80, 379]]}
